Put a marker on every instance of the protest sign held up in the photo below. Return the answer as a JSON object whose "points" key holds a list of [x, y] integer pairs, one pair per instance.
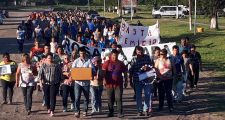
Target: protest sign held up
{"points": [[131, 36]]}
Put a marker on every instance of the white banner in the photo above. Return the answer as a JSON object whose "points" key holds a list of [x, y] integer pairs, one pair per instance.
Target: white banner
{"points": [[148, 49], [103, 52], [131, 36]]}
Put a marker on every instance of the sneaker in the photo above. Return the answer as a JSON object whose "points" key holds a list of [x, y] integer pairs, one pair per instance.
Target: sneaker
{"points": [[65, 110], [51, 114], [93, 112], [140, 114], [10, 103], [120, 115], [84, 114], [43, 104], [72, 106], [77, 115], [110, 115], [49, 111]]}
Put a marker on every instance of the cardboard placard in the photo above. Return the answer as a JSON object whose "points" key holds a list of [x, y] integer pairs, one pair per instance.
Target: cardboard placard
{"points": [[81, 73]]}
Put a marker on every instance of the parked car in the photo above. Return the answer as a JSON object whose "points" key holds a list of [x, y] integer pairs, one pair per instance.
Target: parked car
{"points": [[127, 10], [167, 11]]}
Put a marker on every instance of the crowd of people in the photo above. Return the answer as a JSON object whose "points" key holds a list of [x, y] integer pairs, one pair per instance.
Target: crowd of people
{"points": [[49, 67]]}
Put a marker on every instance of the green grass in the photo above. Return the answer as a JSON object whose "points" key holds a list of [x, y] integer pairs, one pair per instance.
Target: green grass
{"points": [[211, 43]]}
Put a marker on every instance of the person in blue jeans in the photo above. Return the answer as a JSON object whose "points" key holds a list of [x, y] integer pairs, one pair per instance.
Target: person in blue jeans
{"points": [[20, 38], [96, 85], [139, 61], [81, 86], [177, 69], [68, 84]]}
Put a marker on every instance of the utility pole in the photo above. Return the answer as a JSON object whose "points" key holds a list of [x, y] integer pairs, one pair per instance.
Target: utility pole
{"points": [[118, 8], [131, 11], [89, 8], [104, 7], [177, 11], [190, 13], [195, 17]]}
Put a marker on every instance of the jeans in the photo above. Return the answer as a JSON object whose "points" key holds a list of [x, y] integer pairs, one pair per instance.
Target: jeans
{"points": [[77, 90], [178, 91], [20, 44], [96, 98], [66, 91], [27, 96], [50, 92], [165, 87], [47, 40], [155, 89], [147, 92], [5, 86], [185, 77], [194, 79], [115, 94]]}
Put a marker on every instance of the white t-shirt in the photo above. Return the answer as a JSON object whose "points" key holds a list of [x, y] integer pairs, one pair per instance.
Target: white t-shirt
{"points": [[110, 34], [53, 46], [105, 31]]}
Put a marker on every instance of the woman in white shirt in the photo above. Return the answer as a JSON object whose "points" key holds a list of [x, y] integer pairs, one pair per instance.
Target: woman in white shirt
{"points": [[25, 80]]}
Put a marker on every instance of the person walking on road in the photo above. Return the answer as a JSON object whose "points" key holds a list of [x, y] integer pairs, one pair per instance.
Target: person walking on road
{"points": [[50, 75], [25, 80], [8, 79], [112, 71]]}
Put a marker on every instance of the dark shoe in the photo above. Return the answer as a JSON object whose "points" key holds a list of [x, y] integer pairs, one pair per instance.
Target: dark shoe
{"points": [[4, 102], [134, 97], [160, 109], [146, 113], [110, 115], [28, 112], [120, 115], [140, 114], [171, 109]]}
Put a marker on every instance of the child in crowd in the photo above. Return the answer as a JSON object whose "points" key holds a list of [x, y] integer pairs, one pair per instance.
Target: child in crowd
{"points": [[53, 46]]}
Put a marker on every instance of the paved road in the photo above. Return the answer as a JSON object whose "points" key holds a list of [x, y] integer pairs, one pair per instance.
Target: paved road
{"points": [[183, 111]]}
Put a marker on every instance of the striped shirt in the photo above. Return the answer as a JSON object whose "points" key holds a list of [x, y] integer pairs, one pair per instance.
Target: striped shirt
{"points": [[50, 73]]}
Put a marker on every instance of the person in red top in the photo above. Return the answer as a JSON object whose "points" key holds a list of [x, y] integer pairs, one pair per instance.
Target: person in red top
{"points": [[36, 50], [113, 81]]}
